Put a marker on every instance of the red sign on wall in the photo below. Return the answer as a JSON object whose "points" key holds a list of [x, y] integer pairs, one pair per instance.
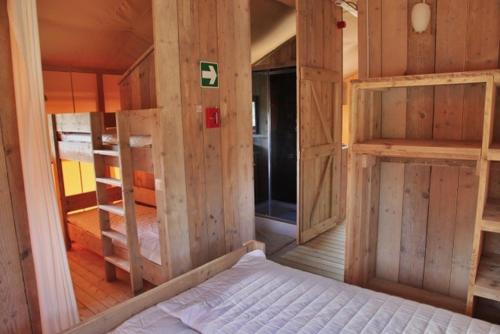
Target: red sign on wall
{"points": [[212, 117]]}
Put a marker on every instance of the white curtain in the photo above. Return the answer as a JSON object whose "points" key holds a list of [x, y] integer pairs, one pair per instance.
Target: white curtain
{"points": [[57, 299]]}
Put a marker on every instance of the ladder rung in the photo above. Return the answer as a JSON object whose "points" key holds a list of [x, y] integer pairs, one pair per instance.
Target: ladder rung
{"points": [[490, 226], [109, 153], [109, 180], [115, 235], [111, 208], [118, 262]]}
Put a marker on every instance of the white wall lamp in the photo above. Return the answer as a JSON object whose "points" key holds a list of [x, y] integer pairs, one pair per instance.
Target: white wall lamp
{"points": [[420, 16]]}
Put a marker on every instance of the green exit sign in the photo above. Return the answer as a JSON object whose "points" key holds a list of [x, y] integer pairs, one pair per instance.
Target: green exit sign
{"points": [[209, 74]]}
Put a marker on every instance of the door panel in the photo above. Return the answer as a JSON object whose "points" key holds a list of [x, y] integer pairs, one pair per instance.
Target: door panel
{"points": [[319, 117]]}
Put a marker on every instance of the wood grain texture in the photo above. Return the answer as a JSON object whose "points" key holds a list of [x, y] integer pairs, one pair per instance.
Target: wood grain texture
{"points": [[283, 56], [460, 37], [20, 310], [414, 225], [212, 138], [216, 176], [189, 40], [441, 228], [172, 178], [464, 231], [392, 177], [319, 118]]}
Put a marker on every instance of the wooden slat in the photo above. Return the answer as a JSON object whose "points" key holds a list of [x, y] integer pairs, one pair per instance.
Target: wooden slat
{"points": [[431, 149], [319, 74], [168, 94], [464, 231], [96, 124], [390, 215], [189, 40], [488, 278], [72, 122], [414, 224], [16, 193], [88, 199], [440, 230], [437, 79], [109, 181], [123, 125]]}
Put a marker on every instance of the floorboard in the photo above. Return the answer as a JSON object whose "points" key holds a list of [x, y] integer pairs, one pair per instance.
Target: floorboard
{"points": [[93, 293], [324, 255]]}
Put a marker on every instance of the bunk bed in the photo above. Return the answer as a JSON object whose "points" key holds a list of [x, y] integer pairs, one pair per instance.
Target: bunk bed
{"points": [[244, 292], [72, 135]]}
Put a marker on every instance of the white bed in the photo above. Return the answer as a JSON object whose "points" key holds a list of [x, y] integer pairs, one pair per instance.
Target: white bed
{"points": [[259, 296]]}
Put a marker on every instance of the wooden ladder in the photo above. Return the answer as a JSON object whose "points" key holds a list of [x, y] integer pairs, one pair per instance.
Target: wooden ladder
{"points": [[125, 209], [484, 278]]}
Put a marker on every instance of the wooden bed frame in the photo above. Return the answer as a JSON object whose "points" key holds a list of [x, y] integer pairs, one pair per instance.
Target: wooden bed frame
{"points": [[113, 317], [141, 122]]}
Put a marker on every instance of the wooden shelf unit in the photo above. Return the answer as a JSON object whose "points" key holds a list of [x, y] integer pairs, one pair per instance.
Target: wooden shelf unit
{"points": [[487, 284], [381, 150], [484, 275]]}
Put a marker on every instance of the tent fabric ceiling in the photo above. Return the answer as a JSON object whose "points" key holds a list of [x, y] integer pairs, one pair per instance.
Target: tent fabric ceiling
{"points": [[110, 35], [94, 34]]}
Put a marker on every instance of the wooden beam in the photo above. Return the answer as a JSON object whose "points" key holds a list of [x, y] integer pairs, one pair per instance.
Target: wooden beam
{"points": [[171, 184], [16, 246]]}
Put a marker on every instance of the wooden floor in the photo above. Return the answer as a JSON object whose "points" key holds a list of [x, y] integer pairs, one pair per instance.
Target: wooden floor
{"points": [[93, 293], [324, 255], [274, 242]]}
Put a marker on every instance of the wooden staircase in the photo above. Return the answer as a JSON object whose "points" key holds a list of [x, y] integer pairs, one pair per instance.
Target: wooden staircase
{"points": [[125, 208], [484, 278]]}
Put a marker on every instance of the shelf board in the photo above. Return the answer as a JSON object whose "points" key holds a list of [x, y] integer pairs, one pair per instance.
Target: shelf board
{"points": [[488, 278], [491, 217], [412, 148], [416, 294], [493, 153]]}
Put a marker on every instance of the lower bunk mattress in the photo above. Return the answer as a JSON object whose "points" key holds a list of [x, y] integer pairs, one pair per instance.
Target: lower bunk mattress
{"points": [[258, 296], [147, 228]]}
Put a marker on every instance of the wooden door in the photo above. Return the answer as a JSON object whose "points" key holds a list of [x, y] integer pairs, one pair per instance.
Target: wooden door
{"points": [[319, 116]]}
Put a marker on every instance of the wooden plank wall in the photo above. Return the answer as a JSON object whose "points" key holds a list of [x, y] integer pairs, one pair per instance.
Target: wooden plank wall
{"points": [[283, 56], [19, 310], [206, 186], [431, 207]]}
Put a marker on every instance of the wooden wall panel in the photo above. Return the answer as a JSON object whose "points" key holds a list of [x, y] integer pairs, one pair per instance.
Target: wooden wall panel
{"points": [[390, 213], [414, 224], [19, 309], [215, 203], [283, 56], [441, 228], [460, 37], [212, 139]]}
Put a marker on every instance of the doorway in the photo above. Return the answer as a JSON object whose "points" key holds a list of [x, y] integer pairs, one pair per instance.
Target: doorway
{"points": [[275, 144]]}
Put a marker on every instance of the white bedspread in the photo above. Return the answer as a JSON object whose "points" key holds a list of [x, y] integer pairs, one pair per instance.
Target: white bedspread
{"points": [[259, 296]]}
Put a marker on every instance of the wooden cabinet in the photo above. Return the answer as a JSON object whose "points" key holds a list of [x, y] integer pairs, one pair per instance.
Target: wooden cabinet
{"points": [[58, 92], [68, 92]]}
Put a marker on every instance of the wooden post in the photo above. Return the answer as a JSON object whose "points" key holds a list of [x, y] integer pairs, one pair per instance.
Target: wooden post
{"points": [[19, 309]]}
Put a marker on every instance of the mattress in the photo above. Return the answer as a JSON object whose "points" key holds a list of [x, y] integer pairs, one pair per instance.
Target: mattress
{"points": [[258, 296], [147, 228], [107, 138]]}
